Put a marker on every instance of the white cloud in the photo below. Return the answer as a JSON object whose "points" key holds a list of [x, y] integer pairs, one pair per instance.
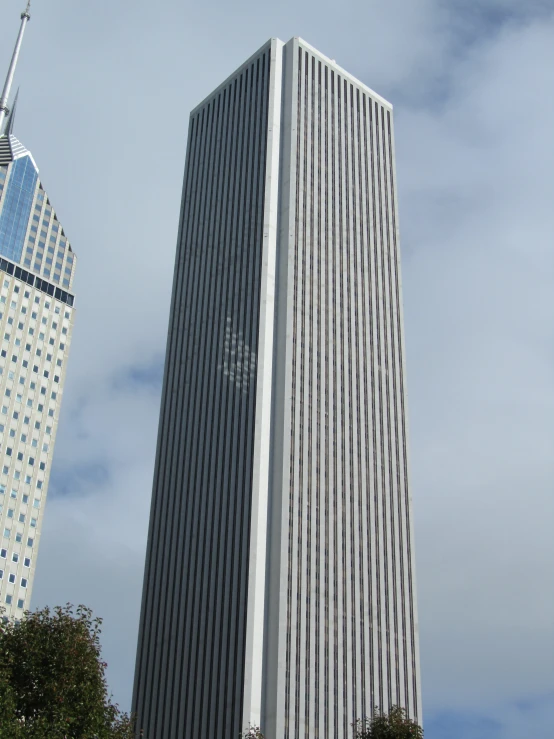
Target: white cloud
{"points": [[476, 187]]}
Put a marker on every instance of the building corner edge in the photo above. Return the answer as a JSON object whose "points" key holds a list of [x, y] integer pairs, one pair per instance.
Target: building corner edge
{"points": [[257, 569]]}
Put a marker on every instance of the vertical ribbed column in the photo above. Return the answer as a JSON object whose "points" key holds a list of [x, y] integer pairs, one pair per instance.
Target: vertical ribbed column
{"points": [[258, 565]]}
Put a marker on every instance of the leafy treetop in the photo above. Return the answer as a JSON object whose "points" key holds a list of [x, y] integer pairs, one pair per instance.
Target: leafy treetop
{"points": [[253, 732], [394, 725], [52, 678]]}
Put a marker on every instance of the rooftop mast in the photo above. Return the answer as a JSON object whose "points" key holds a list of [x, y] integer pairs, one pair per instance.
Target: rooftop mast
{"points": [[25, 17]]}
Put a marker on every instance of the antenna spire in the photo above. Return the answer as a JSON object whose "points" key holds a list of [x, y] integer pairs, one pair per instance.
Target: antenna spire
{"points": [[25, 17]]}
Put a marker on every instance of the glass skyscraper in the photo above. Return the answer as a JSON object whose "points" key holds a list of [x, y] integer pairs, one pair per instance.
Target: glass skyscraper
{"points": [[279, 584], [37, 266]]}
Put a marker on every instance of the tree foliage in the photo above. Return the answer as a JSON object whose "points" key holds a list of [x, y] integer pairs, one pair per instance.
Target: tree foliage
{"points": [[394, 725], [253, 732], [52, 679]]}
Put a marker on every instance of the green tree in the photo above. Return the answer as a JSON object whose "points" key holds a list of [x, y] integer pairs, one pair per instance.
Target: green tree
{"points": [[253, 732], [10, 727], [394, 725], [52, 679]]}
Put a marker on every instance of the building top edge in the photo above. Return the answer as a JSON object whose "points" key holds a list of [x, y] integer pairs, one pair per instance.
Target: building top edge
{"points": [[308, 47], [16, 150], [234, 74]]}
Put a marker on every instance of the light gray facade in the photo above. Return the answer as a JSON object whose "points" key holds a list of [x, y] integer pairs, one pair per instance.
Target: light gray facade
{"points": [[279, 585]]}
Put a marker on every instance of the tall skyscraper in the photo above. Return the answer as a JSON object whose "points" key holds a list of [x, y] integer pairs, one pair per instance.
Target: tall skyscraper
{"points": [[279, 584], [37, 265]]}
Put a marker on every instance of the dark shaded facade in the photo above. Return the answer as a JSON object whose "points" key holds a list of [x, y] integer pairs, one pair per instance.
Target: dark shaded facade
{"points": [[193, 624]]}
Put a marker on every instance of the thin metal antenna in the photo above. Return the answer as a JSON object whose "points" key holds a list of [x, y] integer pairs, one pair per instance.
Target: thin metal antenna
{"points": [[8, 130], [25, 17]]}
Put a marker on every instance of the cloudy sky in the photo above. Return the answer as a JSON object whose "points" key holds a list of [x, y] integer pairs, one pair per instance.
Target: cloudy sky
{"points": [[106, 88]]}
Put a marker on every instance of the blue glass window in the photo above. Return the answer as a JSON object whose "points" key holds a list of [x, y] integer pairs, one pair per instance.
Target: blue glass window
{"points": [[18, 200]]}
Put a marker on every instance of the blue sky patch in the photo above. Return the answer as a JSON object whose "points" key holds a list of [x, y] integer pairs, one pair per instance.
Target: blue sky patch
{"points": [[453, 725]]}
